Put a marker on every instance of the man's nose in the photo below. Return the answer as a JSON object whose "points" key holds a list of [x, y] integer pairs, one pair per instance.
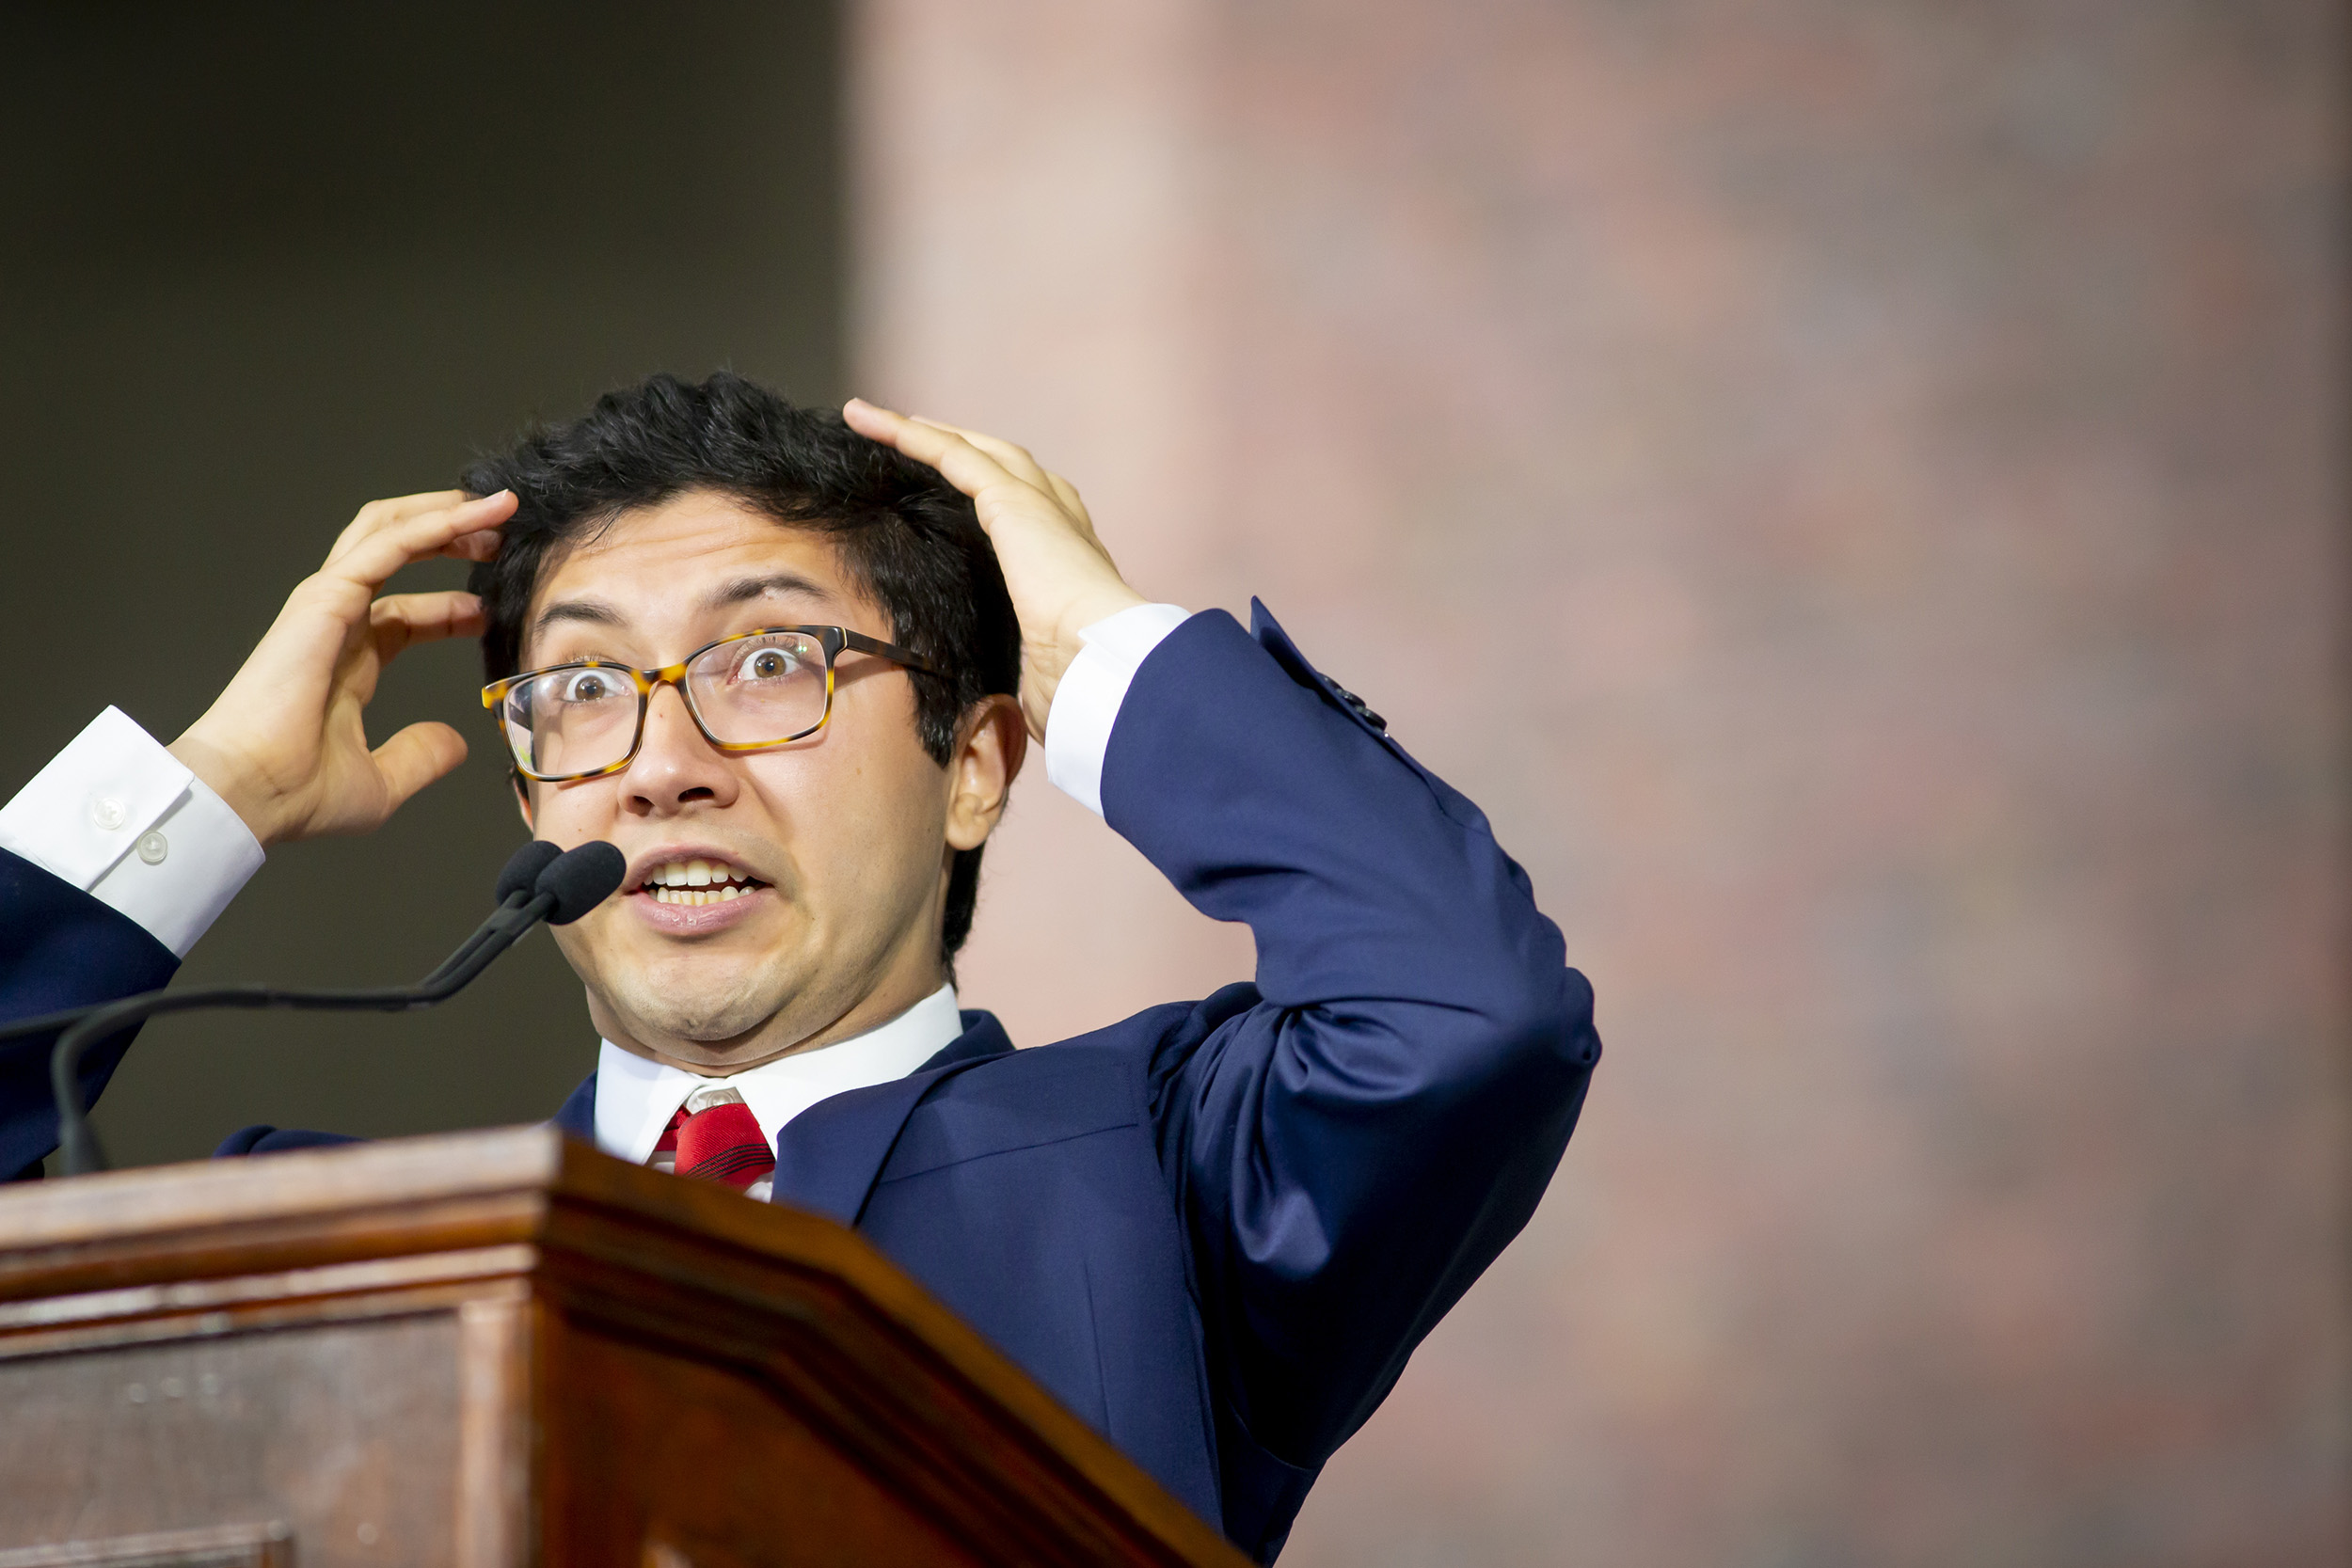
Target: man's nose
{"points": [[675, 768]]}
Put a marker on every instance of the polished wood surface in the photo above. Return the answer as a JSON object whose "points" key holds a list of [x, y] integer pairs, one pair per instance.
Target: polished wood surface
{"points": [[503, 1348]]}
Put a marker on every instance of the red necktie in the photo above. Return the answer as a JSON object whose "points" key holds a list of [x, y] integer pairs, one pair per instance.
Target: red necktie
{"points": [[718, 1143]]}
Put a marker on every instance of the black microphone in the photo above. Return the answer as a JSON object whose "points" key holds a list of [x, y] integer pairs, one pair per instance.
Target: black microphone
{"points": [[517, 882], [520, 873], [540, 883]]}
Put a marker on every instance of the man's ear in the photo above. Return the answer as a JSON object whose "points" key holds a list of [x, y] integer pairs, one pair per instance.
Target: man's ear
{"points": [[522, 799], [990, 744]]}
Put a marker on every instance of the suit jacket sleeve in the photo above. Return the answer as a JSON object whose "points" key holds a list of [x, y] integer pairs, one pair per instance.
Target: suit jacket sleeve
{"points": [[59, 947], [1352, 1143]]}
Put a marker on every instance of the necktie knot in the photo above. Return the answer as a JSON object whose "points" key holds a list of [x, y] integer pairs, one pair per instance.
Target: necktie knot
{"points": [[721, 1142]]}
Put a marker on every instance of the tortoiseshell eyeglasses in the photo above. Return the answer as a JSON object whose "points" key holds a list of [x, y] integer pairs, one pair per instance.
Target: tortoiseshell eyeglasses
{"points": [[746, 693]]}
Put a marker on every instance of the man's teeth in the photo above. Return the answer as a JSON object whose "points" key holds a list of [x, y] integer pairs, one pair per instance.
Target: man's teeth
{"points": [[697, 896], [698, 881]]}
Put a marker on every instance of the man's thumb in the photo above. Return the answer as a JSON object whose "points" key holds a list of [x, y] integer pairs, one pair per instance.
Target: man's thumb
{"points": [[414, 757]]}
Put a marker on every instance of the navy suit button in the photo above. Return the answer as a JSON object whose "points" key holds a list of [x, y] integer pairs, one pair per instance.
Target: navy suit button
{"points": [[1361, 708]]}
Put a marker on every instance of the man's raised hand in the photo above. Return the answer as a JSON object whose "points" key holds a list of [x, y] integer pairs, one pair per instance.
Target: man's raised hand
{"points": [[1057, 571], [284, 745]]}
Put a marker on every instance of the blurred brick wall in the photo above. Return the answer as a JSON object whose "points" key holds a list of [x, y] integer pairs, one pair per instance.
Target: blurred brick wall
{"points": [[1855, 492]]}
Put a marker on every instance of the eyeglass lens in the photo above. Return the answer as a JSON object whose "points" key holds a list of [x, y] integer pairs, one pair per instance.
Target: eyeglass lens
{"points": [[752, 691]]}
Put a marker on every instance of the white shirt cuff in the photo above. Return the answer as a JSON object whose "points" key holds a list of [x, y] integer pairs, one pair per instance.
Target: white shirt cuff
{"points": [[125, 820], [1087, 703]]}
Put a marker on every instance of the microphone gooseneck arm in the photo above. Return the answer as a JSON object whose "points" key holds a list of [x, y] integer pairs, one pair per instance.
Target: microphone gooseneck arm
{"points": [[539, 884], [515, 885]]}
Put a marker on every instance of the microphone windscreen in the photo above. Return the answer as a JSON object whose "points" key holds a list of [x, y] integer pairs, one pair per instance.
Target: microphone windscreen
{"points": [[523, 867], [582, 878]]}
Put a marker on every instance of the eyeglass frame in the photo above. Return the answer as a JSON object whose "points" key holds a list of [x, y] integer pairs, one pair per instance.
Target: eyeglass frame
{"points": [[836, 640]]}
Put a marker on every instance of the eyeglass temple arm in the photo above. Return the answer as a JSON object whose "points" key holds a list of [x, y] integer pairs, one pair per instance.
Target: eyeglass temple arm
{"points": [[866, 644]]}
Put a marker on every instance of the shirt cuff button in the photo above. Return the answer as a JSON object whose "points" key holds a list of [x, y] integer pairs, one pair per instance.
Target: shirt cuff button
{"points": [[153, 847], [107, 813]]}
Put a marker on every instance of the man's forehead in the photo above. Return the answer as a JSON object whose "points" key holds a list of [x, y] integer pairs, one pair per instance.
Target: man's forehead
{"points": [[697, 554]]}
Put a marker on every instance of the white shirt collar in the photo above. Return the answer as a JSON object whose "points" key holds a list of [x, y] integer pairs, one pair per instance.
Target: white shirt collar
{"points": [[636, 1097]]}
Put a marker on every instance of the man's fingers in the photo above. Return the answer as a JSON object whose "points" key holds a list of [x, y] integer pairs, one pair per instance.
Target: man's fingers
{"points": [[872, 420], [1067, 493], [399, 620], [480, 545], [374, 556], [376, 515], [962, 463], [404, 514], [935, 442], [1015, 461], [414, 757]]}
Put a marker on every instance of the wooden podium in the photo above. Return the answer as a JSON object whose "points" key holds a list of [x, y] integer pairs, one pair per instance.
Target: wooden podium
{"points": [[505, 1348]]}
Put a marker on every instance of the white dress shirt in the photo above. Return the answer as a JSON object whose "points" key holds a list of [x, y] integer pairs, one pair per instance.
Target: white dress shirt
{"points": [[119, 818], [636, 1097]]}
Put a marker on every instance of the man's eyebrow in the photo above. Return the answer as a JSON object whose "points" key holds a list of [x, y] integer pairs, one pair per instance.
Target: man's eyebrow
{"points": [[744, 590], [595, 612]]}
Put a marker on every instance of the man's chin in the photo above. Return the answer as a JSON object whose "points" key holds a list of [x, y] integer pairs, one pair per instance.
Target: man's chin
{"points": [[697, 993], [703, 1011]]}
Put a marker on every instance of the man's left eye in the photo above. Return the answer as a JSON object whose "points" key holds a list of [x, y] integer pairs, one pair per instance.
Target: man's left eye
{"points": [[768, 664]]}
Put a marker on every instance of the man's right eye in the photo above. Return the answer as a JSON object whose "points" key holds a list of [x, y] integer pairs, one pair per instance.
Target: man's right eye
{"points": [[586, 685]]}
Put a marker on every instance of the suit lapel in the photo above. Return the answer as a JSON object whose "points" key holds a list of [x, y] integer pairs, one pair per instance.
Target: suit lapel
{"points": [[828, 1156]]}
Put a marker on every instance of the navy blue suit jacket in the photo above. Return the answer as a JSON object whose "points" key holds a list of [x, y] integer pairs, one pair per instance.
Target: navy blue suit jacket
{"points": [[1216, 1230]]}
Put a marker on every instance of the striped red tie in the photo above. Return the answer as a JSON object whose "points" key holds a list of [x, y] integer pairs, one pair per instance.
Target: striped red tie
{"points": [[718, 1143]]}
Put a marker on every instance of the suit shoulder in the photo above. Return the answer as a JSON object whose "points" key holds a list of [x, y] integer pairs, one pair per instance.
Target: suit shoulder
{"points": [[1098, 1081]]}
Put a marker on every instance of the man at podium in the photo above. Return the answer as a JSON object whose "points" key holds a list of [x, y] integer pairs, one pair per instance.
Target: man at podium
{"points": [[790, 663]]}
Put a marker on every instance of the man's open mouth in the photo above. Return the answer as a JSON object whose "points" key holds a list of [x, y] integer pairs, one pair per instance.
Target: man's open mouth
{"points": [[698, 881]]}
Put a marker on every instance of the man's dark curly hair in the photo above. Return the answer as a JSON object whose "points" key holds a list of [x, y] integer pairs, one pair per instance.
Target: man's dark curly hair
{"points": [[906, 536]]}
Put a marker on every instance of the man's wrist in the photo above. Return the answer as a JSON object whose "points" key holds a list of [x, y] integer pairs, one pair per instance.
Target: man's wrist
{"points": [[1089, 610], [223, 773]]}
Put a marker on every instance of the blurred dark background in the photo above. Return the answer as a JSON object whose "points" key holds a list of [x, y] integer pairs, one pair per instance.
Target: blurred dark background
{"points": [[263, 263]]}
